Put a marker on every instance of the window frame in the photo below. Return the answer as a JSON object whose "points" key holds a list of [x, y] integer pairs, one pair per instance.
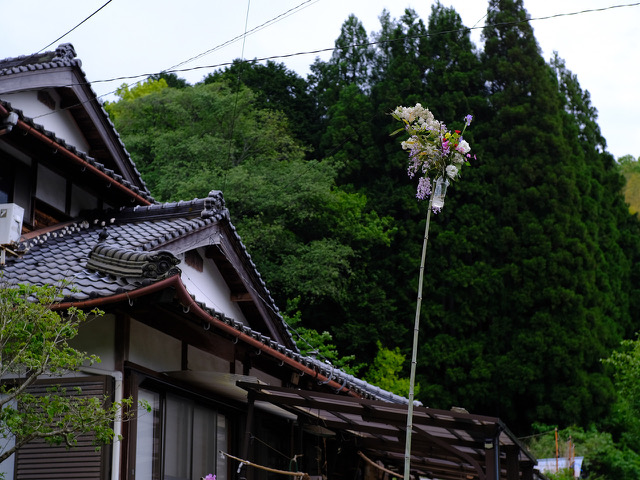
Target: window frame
{"points": [[150, 382]]}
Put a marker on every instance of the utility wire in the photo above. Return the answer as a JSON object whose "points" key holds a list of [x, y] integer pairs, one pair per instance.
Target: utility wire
{"points": [[276, 57], [67, 33], [367, 44], [276, 19]]}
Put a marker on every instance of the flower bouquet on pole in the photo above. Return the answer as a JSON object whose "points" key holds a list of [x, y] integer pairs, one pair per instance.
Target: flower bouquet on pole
{"points": [[436, 155]]}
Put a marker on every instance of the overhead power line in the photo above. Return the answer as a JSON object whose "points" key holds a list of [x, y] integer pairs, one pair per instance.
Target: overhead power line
{"points": [[357, 45], [246, 33], [68, 32], [330, 49]]}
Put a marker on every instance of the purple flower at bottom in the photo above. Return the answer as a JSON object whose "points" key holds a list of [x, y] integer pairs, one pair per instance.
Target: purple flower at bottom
{"points": [[424, 188], [210, 477]]}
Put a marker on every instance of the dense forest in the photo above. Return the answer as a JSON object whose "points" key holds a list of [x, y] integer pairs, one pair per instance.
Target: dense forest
{"points": [[533, 265]]}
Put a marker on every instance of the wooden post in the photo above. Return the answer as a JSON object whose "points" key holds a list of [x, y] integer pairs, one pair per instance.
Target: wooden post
{"points": [[242, 468]]}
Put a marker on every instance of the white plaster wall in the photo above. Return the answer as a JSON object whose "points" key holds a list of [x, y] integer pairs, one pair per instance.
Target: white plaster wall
{"points": [[153, 349], [81, 200], [97, 337], [210, 288], [201, 361], [59, 122], [51, 188], [265, 377]]}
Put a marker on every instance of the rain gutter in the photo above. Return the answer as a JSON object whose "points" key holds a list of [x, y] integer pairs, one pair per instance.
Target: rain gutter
{"points": [[189, 304], [72, 156]]}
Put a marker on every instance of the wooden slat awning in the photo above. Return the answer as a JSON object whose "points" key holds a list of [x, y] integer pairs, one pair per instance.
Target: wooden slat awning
{"points": [[445, 444]]}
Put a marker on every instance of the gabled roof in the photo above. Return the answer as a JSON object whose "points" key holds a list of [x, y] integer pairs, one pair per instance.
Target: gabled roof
{"points": [[60, 70], [114, 252]]}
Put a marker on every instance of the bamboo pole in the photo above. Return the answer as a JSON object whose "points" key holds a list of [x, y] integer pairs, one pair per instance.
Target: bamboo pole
{"points": [[268, 469], [414, 353], [375, 465]]}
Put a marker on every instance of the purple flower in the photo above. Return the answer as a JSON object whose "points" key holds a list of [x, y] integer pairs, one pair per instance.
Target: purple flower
{"points": [[210, 477], [445, 148], [424, 188], [467, 120]]}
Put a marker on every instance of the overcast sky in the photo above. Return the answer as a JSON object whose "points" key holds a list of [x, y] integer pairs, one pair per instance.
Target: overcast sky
{"points": [[135, 37]]}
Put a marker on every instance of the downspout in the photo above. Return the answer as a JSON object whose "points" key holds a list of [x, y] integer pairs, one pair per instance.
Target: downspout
{"points": [[72, 156], [189, 303], [117, 423]]}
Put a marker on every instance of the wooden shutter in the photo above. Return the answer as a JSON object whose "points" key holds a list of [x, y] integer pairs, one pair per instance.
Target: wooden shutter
{"points": [[39, 460]]}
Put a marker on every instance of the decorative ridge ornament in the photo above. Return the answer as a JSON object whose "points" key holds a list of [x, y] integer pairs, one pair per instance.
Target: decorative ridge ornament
{"points": [[434, 152]]}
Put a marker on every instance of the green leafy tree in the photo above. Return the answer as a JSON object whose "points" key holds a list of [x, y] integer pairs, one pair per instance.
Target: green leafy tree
{"points": [[625, 364], [34, 343], [386, 370], [630, 169], [124, 92], [172, 79], [454, 80], [310, 342], [603, 457], [350, 64], [275, 87], [308, 237]]}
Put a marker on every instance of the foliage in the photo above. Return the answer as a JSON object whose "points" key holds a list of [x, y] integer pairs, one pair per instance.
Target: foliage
{"points": [[313, 343], [275, 88], [172, 80], [603, 457], [625, 363], [141, 89], [385, 371], [34, 344], [630, 170]]}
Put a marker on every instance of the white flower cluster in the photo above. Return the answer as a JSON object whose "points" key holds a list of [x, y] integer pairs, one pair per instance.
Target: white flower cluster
{"points": [[423, 118]]}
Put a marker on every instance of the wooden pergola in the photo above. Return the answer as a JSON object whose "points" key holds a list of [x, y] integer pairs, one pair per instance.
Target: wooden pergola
{"points": [[447, 445]]}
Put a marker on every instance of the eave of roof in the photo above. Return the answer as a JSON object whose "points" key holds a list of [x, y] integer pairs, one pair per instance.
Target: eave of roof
{"points": [[71, 153], [324, 373]]}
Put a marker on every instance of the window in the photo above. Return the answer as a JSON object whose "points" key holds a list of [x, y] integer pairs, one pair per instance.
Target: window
{"points": [[6, 183], [179, 439]]}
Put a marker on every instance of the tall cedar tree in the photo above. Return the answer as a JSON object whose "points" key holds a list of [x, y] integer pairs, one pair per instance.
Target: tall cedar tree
{"points": [[614, 232], [341, 87], [521, 327]]}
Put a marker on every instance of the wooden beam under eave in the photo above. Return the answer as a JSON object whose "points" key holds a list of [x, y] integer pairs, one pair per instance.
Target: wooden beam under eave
{"points": [[241, 297]]}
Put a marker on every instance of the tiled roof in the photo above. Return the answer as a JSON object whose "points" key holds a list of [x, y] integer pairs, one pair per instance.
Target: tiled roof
{"points": [[113, 252], [65, 254], [108, 253], [64, 56]]}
